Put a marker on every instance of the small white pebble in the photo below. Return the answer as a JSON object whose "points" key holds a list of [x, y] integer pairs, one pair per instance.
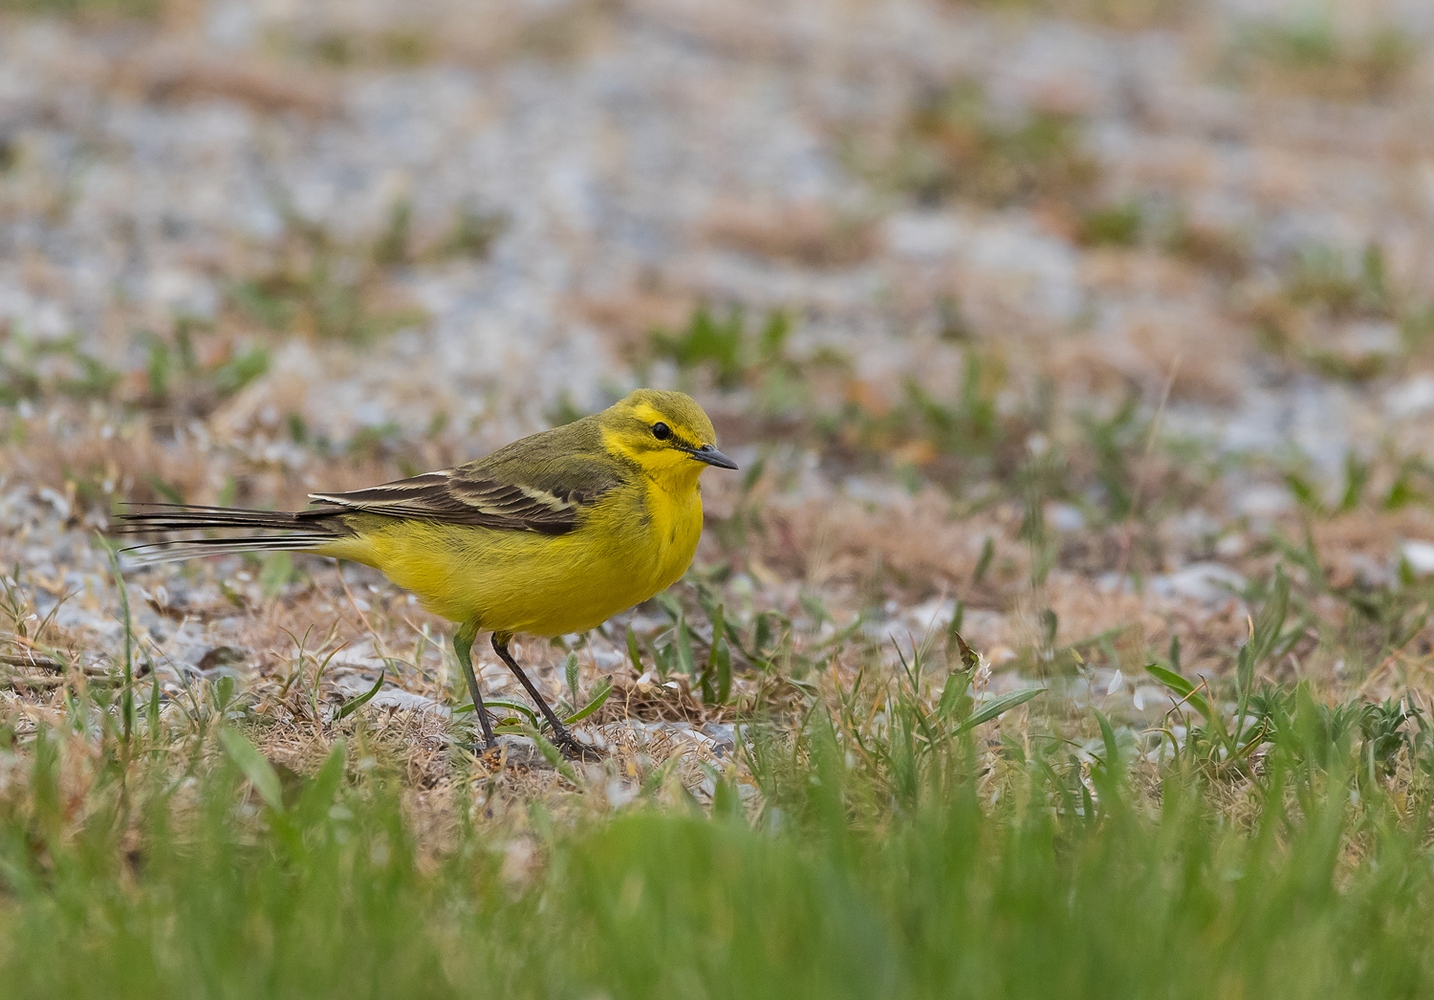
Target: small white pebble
{"points": [[1419, 556]]}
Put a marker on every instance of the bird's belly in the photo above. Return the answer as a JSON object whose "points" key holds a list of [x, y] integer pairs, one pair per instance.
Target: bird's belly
{"points": [[545, 585]]}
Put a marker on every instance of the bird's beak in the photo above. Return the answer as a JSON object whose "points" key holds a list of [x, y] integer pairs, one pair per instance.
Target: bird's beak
{"points": [[711, 456]]}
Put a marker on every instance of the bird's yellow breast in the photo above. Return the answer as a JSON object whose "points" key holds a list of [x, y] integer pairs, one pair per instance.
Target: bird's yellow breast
{"points": [[634, 542]]}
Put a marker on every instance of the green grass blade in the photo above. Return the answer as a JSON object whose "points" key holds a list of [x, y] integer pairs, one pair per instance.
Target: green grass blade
{"points": [[318, 793], [255, 767], [1182, 687], [604, 689], [127, 704], [999, 706], [491, 703], [1107, 736], [354, 704], [552, 754]]}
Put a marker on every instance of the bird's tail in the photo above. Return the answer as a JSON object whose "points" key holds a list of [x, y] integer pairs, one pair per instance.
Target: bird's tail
{"points": [[298, 531]]}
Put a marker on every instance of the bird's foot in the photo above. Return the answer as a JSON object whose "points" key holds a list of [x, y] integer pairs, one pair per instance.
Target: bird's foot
{"points": [[491, 754], [575, 749], [484, 744], [481, 748]]}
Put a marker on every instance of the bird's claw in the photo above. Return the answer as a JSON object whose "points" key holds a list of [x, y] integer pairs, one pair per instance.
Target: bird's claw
{"points": [[490, 755], [575, 749], [493, 754]]}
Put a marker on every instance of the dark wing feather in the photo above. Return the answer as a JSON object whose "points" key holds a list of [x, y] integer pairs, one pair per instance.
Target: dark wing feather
{"points": [[545, 489]]}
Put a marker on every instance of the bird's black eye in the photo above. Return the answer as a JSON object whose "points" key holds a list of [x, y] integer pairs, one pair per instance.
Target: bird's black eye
{"points": [[661, 431]]}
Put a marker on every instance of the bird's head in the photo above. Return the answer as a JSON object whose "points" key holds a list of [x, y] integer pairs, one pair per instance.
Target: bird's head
{"points": [[666, 433]]}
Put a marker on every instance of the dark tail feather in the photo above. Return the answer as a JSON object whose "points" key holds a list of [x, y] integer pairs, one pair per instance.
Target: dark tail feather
{"points": [[301, 530], [194, 517]]}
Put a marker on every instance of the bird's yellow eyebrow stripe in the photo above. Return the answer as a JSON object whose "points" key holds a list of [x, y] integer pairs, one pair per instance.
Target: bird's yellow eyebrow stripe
{"points": [[646, 414]]}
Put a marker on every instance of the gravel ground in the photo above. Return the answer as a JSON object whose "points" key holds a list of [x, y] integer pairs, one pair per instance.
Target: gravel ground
{"points": [[447, 225]]}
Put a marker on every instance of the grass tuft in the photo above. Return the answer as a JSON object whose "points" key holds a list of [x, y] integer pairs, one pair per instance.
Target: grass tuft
{"points": [[954, 144], [1310, 54]]}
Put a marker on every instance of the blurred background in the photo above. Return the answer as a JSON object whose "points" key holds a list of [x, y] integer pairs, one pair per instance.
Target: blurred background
{"points": [[1060, 318]]}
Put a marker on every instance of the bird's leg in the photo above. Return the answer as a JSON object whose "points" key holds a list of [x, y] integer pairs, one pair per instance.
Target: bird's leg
{"points": [[560, 732], [462, 644]]}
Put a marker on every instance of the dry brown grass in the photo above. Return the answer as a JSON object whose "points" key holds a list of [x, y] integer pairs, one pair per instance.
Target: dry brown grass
{"points": [[813, 235], [178, 73], [1317, 54]]}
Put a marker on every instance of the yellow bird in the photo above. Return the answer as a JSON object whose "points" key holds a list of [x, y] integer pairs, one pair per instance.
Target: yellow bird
{"points": [[549, 535]]}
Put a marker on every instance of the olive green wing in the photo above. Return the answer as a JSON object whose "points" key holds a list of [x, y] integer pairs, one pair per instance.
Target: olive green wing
{"points": [[543, 483]]}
